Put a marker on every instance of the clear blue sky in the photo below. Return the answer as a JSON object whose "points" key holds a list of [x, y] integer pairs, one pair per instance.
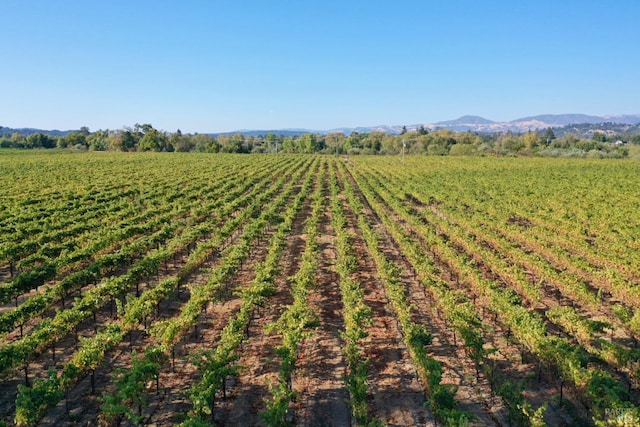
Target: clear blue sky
{"points": [[209, 66]]}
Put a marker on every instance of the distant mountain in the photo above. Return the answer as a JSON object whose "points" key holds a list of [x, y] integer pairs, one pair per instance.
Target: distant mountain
{"points": [[465, 121], [462, 124], [532, 123], [482, 125], [30, 131], [560, 119], [586, 130], [380, 128], [627, 119]]}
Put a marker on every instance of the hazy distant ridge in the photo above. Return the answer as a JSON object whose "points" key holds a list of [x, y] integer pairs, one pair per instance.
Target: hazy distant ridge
{"points": [[467, 120], [481, 124], [462, 124], [478, 124]]}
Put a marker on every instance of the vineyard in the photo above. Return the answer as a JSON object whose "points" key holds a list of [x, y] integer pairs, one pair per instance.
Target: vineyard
{"points": [[209, 289]]}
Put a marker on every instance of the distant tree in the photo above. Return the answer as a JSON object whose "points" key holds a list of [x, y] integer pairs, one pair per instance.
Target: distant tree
{"points": [[128, 140], [142, 128], [99, 140], [404, 130], [587, 145], [468, 138], [152, 140], [438, 142], [76, 139], [231, 143], [422, 130], [237, 143], [548, 136], [249, 143], [308, 143], [353, 144], [271, 142], [391, 144], [512, 143], [598, 137], [39, 140], [181, 143], [531, 140], [289, 145], [334, 143], [17, 138], [204, 143], [372, 143], [568, 140]]}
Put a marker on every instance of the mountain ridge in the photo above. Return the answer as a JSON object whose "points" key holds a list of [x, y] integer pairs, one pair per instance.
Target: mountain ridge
{"points": [[470, 123], [466, 123], [477, 120]]}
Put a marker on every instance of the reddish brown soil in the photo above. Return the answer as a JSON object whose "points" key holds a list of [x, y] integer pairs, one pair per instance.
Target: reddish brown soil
{"points": [[473, 392], [84, 405], [507, 358], [553, 297], [246, 400], [396, 394], [319, 377]]}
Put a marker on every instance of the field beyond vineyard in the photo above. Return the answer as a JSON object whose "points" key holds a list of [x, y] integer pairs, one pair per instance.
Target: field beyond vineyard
{"points": [[211, 289]]}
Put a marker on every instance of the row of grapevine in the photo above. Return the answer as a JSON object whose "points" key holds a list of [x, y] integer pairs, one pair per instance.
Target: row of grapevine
{"points": [[417, 336], [138, 309], [294, 323], [219, 362], [50, 240], [50, 330], [513, 273], [84, 211], [149, 288], [357, 315], [459, 313], [597, 386], [110, 229]]}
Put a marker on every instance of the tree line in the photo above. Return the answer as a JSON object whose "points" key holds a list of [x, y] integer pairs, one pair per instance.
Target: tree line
{"points": [[144, 137]]}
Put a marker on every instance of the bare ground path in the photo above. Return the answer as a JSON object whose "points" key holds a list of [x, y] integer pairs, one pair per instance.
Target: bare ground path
{"points": [[397, 396], [507, 358], [319, 378], [170, 401], [473, 392], [259, 364]]}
